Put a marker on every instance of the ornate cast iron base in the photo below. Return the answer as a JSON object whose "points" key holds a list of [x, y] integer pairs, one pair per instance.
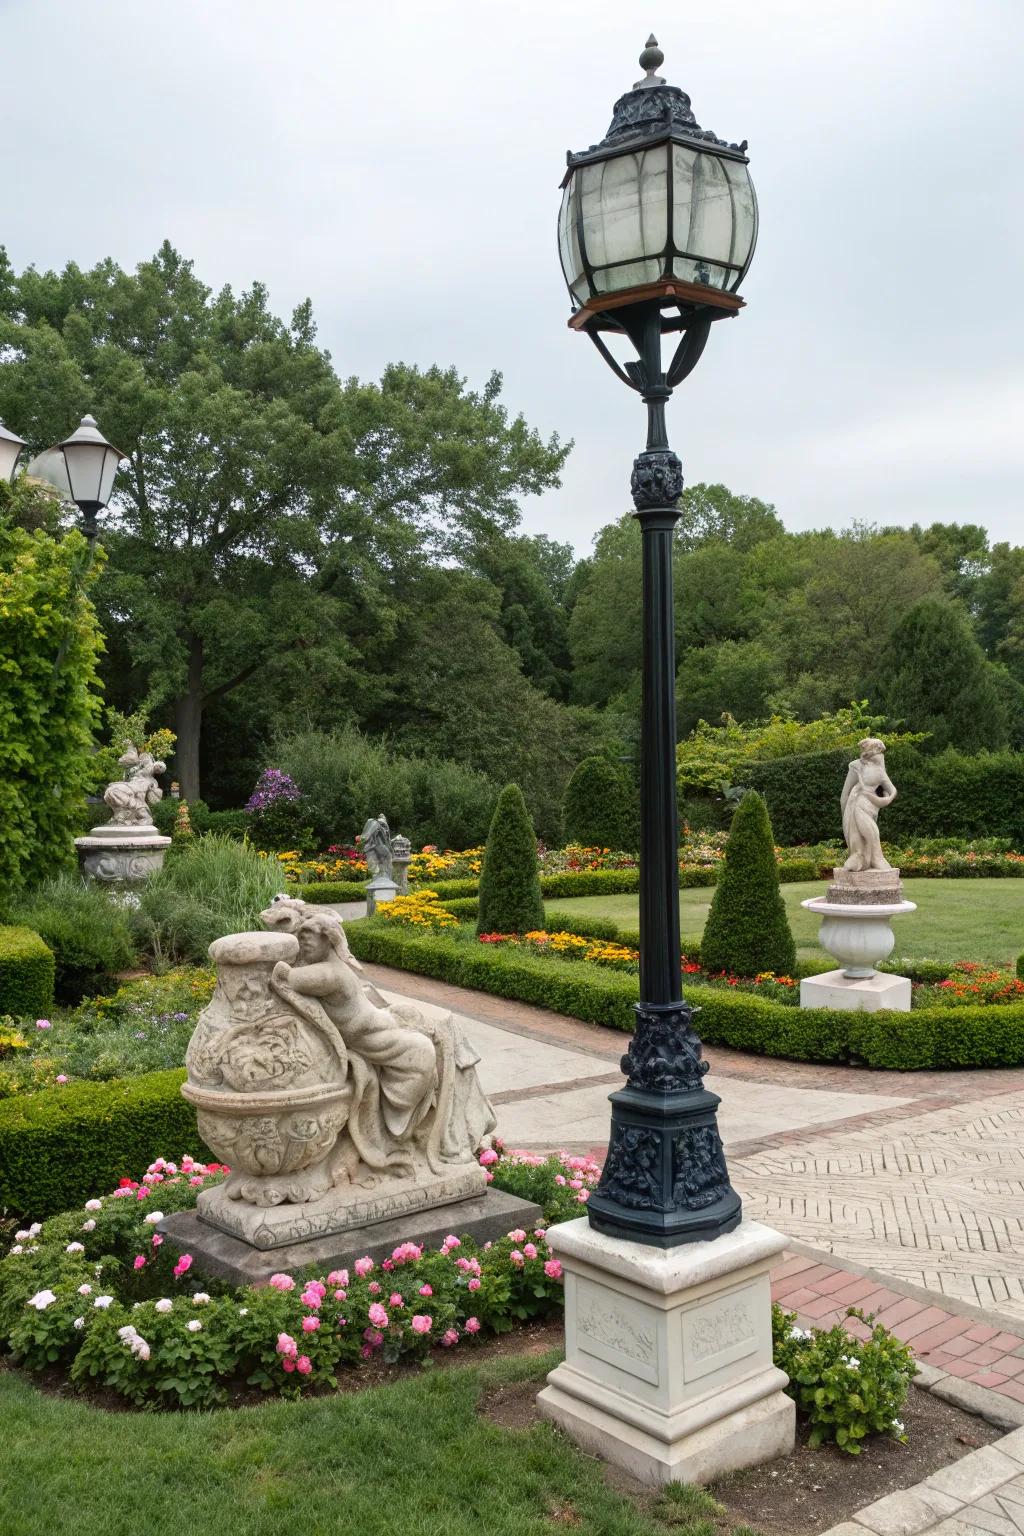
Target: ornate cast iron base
{"points": [[665, 1180]]}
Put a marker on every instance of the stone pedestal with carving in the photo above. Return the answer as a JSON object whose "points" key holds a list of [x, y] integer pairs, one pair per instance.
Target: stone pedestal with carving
{"points": [[121, 855], [855, 927], [668, 1369]]}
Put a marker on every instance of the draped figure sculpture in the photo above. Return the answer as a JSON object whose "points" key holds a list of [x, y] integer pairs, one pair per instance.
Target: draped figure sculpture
{"points": [[315, 1090], [867, 790], [131, 798]]}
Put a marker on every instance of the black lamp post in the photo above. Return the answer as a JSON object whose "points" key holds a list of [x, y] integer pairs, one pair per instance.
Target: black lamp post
{"points": [[91, 464], [656, 230]]}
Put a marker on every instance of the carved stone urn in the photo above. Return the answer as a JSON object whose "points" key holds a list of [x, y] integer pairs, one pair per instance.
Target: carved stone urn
{"points": [[269, 1086]]}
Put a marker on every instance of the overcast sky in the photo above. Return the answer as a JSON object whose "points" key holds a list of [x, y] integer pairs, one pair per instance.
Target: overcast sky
{"points": [[398, 161]]}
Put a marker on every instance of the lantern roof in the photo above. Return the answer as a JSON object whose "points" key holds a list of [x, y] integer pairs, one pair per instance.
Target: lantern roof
{"points": [[653, 110]]}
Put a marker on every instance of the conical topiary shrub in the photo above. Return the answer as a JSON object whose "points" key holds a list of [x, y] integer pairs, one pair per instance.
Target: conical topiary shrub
{"points": [[510, 899], [747, 930], [598, 810]]}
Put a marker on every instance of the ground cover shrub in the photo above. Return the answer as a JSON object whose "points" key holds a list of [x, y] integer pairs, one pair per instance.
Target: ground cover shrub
{"points": [[422, 909], [26, 972], [143, 1026], [94, 1289], [747, 930], [208, 886], [87, 927], [510, 898], [618, 957], [600, 807], [848, 1388], [969, 982]]}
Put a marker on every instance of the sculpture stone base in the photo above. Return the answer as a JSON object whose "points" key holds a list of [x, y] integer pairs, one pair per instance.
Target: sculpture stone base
{"points": [[668, 1369], [341, 1210], [379, 891], [485, 1218], [834, 989], [121, 855]]}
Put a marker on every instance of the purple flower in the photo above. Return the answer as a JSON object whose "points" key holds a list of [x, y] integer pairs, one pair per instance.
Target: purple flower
{"points": [[272, 786]]}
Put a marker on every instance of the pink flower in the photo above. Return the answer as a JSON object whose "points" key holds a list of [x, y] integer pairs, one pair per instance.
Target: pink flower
{"points": [[516, 1258], [450, 1337], [373, 1288], [282, 1282], [367, 1351], [288, 1364], [388, 1265], [286, 1345], [61, 1078], [407, 1251], [421, 1323], [373, 1338], [553, 1269], [518, 1236], [395, 1300], [474, 1285], [303, 1365], [338, 1277], [195, 1180], [451, 1241], [340, 1295], [363, 1266], [310, 1324], [183, 1264], [426, 1290], [157, 1239], [378, 1315], [530, 1249], [140, 1261], [472, 1325], [487, 1157], [311, 1299], [43, 1024]]}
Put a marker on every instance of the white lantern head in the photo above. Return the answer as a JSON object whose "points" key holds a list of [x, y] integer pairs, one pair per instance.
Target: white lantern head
{"points": [[660, 208], [91, 464], [10, 450]]}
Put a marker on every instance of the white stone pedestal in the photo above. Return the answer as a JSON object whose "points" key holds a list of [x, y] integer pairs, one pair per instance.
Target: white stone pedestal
{"points": [[834, 989], [121, 855], [668, 1369], [377, 891]]}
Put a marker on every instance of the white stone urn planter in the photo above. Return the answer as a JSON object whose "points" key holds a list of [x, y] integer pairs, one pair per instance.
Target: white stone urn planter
{"points": [[860, 937]]}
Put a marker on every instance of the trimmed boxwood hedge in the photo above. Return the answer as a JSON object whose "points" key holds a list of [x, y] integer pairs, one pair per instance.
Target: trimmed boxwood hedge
{"points": [[27, 969], [59, 1146], [570, 882], [976, 1036]]}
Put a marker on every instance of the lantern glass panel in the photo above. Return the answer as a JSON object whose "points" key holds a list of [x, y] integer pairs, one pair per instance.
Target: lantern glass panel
{"points": [[91, 470], [715, 217], [9, 452]]}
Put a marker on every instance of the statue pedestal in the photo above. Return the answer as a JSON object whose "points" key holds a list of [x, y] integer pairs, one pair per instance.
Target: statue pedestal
{"points": [[668, 1369], [119, 854], [379, 890], [855, 928]]}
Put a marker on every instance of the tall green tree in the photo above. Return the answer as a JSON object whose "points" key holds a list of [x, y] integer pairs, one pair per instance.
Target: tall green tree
{"points": [[747, 930], [510, 898], [934, 676], [267, 513]]}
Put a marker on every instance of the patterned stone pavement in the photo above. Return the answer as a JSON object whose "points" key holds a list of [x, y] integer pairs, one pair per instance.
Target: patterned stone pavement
{"points": [[980, 1495]]}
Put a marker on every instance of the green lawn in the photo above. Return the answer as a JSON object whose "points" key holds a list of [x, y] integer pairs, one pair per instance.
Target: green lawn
{"points": [[955, 919], [415, 1457]]}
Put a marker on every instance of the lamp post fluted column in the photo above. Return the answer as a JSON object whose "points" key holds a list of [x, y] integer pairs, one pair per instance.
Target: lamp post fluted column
{"points": [[665, 1180]]}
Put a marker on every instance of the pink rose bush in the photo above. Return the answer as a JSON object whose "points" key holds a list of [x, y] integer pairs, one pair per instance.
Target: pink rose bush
{"points": [[119, 1310]]}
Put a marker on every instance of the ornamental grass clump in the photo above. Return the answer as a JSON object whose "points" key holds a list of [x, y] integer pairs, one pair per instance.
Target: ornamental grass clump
{"points": [[510, 899], [209, 886], [747, 930]]}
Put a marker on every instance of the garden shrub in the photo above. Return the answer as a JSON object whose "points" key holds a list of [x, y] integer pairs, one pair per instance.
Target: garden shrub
{"points": [[510, 892], [279, 815], [331, 891], [600, 809], [848, 1388], [26, 973], [1020, 966], [747, 929], [58, 1147], [208, 886], [86, 926]]}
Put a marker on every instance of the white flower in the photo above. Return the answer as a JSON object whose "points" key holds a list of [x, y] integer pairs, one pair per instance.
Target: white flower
{"points": [[17, 1248], [88, 1226], [79, 1322], [851, 1362], [163, 1305], [41, 1300], [194, 1326], [94, 1205], [153, 1217], [898, 1426], [75, 1248], [22, 1236], [140, 1348], [35, 1229], [103, 1301], [799, 1333], [127, 1332], [200, 1298], [85, 1290], [243, 1311]]}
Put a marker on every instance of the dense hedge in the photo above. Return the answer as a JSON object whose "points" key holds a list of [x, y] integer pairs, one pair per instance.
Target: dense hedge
{"points": [[948, 795], [569, 882], [26, 973], [59, 1146], [978, 1036], [747, 930]]}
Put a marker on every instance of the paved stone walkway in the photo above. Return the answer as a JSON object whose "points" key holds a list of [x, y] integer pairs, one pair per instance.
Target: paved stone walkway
{"points": [[980, 1495]]}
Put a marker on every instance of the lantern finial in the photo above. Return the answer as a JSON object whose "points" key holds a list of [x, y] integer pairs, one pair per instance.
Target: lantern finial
{"points": [[651, 60]]}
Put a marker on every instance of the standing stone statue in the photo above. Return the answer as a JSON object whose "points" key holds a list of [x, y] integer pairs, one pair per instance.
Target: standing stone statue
{"points": [[867, 790], [375, 841], [130, 798]]}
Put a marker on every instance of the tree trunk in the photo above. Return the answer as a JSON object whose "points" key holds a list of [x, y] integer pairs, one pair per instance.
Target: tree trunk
{"points": [[188, 722]]}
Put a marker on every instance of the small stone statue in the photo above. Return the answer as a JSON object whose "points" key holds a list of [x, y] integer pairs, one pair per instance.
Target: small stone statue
{"points": [[375, 841], [867, 789], [130, 798]]}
